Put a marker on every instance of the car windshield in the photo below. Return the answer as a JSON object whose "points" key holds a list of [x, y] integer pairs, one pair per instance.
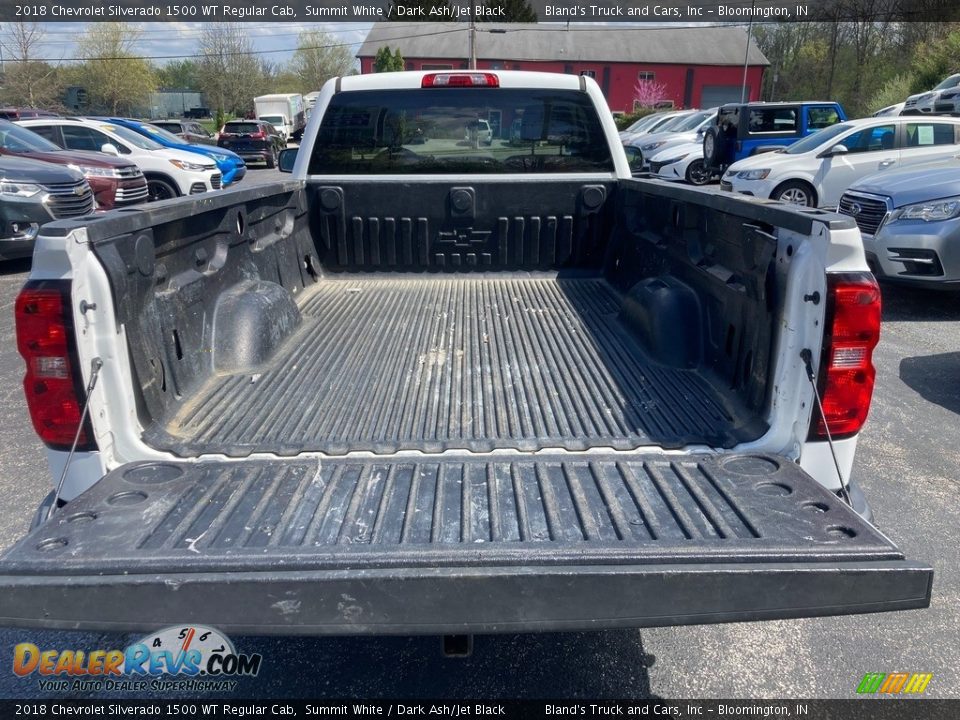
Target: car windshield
{"points": [[820, 137], [645, 122], [950, 82], [694, 121], [673, 124], [422, 132], [17, 139], [273, 119], [132, 137], [163, 134], [709, 120]]}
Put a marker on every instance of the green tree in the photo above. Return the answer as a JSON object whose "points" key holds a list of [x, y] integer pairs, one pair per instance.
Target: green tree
{"points": [[893, 91], [385, 61], [318, 58], [935, 60], [513, 11], [179, 74], [115, 77]]}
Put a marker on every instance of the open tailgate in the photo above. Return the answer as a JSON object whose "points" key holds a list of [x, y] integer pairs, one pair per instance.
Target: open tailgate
{"points": [[507, 543]]}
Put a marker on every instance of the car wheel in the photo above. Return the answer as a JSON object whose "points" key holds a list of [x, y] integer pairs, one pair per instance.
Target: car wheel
{"points": [[697, 173], [795, 193], [272, 159], [158, 189], [712, 147]]}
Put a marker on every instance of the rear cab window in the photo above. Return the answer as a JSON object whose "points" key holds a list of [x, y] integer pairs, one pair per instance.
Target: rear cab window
{"points": [[422, 131]]}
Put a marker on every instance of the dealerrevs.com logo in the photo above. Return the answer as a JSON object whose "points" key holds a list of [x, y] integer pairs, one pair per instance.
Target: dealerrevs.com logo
{"points": [[177, 658]]}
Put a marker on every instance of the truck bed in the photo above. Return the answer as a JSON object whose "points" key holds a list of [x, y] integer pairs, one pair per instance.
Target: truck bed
{"points": [[431, 363]]}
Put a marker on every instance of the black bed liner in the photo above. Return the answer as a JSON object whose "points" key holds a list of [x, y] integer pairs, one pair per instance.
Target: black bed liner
{"points": [[478, 362], [453, 545]]}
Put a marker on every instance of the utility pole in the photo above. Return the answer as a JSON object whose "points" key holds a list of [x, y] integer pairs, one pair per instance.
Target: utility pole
{"points": [[746, 54], [473, 40]]}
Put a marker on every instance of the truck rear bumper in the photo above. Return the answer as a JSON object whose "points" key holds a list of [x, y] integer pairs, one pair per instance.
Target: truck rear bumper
{"points": [[454, 600], [453, 546]]}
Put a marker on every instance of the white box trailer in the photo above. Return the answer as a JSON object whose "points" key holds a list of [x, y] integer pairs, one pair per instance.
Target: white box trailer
{"points": [[284, 112]]}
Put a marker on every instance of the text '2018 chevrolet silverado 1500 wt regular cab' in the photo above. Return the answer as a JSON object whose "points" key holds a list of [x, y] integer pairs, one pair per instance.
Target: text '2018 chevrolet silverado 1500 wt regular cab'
{"points": [[431, 385]]}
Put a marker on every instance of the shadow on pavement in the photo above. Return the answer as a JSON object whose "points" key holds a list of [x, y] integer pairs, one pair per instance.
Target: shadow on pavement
{"points": [[935, 377], [12, 267], [609, 664], [909, 303]]}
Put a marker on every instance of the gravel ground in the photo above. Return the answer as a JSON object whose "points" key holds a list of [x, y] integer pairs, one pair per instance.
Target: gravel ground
{"points": [[907, 463]]}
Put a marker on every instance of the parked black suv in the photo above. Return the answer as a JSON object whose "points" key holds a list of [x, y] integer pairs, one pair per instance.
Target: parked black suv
{"points": [[33, 193], [253, 140]]}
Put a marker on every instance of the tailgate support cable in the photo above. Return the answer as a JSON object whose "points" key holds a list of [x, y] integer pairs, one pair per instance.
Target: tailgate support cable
{"points": [[95, 366], [807, 358]]}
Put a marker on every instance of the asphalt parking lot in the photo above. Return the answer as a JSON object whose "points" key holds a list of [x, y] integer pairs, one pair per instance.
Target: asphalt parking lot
{"points": [[907, 463]]}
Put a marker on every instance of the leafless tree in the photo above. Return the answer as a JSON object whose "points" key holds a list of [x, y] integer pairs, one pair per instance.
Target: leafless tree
{"points": [[28, 80], [230, 72]]}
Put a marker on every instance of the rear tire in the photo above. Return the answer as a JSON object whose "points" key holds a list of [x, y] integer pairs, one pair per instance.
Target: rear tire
{"points": [[272, 159], [713, 147], [158, 189], [795, 192], [697, 173]]}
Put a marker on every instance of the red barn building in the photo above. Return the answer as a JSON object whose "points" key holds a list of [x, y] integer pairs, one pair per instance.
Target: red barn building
{"points": [[699, 66]]}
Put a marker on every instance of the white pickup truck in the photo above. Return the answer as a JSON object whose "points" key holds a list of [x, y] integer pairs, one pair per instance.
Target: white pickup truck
{"points": [[431, 386]]}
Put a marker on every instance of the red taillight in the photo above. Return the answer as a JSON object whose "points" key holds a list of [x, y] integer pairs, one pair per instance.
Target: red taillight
{"points": [[466, 79], [258, 135], [52, 384], [846, 368]]}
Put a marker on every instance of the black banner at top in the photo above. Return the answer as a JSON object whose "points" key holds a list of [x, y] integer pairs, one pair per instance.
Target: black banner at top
{"points": [[635, 11], [461, 709]]}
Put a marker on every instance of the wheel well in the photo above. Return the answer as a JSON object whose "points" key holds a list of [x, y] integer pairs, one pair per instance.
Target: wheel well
{"points": [[166, 178], [810, 188]]}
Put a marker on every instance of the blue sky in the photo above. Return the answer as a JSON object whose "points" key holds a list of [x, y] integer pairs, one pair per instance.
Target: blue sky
{"points": [[276, 40]]}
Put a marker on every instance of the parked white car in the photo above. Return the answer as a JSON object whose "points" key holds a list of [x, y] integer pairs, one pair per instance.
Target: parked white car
{"points": [[669, 121], [689, 130], [169, 172], [648, 123], [681, 162], [943, 98], [478, 131], [816, 170]]}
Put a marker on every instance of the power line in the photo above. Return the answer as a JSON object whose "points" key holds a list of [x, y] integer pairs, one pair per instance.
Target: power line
{"points": [[233, 53]]}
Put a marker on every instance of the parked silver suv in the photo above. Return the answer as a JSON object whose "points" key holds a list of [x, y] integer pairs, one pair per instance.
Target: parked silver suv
{"points": [[943, 98], [910, 223]]}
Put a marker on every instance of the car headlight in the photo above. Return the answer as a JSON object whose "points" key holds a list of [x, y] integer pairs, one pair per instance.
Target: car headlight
{"points": [[91, 171], [671, 161], [652, 146], [934, 211], [753, 174], [18, 189], [183, 165]]}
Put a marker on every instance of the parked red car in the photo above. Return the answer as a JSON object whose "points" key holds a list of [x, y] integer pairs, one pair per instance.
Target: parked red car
{"points": [[115, 182]]}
